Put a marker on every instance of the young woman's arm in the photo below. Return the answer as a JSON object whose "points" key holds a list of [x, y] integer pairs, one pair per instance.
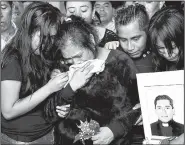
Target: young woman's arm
{"points": [[13, 107]]}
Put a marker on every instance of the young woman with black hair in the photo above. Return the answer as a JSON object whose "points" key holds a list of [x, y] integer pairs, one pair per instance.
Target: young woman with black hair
{"points": [[166, 34], [25, 77]]}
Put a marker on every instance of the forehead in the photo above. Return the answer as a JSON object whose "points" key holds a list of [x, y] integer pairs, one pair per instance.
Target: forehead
{"points": [[163, 103], [78, 4], [130, 30], [70, 50], [102, 2], [160, 43]]}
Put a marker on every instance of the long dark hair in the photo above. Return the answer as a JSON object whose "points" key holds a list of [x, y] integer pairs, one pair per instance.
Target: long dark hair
{"points": [[168, 25], [38, 16]]}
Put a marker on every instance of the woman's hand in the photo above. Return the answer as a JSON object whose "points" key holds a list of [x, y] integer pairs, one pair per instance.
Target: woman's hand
{"points": [[140, 119], [112, 45], [54, 73], [63, 110], [57, 83], [105, 136], [81, 77]]}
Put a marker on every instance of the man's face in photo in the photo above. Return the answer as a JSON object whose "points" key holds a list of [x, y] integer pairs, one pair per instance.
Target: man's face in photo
{"points": [[164, 111]]}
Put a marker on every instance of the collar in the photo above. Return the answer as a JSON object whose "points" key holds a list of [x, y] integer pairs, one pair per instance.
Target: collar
{"points": [[169, 123]]}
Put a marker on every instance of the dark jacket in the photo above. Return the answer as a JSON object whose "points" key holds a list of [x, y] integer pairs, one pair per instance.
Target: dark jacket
{"points": [[104, 99], [177, 128]]}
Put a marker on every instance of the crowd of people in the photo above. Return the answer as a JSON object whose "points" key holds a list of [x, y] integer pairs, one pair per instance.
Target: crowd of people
{"points": [[60, 69]]}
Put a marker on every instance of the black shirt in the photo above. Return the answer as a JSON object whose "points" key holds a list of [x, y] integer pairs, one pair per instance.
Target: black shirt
{"points": [[30, 126]]}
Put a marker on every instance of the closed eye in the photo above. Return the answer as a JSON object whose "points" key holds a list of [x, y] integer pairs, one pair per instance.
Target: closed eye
{"points": [[136, 38], [71, 10], [106, 5], [123, 39], [84, 8]]}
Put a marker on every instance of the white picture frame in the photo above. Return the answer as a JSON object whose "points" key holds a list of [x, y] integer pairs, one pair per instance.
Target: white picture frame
{"points": [[150, 85]]}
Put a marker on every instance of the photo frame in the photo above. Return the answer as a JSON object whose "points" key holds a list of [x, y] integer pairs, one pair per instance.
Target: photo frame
{"points": [[151, 85]]}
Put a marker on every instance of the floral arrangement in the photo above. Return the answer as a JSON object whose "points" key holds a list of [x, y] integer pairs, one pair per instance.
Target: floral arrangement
{"points": [[87, 130]]}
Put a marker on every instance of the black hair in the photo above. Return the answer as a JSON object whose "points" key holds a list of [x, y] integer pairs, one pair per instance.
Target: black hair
{"points": [[131, 13], [38, 16], [168, 25], [78, 33], [163, 97]]}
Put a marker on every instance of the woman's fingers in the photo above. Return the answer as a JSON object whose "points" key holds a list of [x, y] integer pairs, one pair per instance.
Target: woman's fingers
{"points": [[62, 110], [63, 107], [62, 115], [54, 73]]}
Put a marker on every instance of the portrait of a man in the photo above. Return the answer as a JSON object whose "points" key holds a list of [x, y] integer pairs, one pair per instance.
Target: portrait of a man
{"points": [[165, 126]]}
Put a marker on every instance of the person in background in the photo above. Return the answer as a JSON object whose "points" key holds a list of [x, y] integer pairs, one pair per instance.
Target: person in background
{"points": [[107, 38], [128, 3], [152, 6], [166, 35], [132, 30], [25, 77], [19, 7], [107, 11], [8, 28]]}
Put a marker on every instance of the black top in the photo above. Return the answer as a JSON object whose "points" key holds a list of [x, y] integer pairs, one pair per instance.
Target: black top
{"points": [[29, 126], [119, 128], [108, 37], [144, 64], [174, 129]]}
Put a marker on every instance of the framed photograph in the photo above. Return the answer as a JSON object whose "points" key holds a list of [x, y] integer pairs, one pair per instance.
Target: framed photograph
{"points": [[162, 103]]}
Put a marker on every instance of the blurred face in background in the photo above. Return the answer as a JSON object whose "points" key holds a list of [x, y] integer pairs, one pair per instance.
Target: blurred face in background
{"points": [[105, 10], [80, 8], [26, 4], [152, 7], [6, 16]]}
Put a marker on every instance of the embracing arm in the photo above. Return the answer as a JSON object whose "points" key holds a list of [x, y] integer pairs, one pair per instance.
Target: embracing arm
{"points": [[65, 96], [59, 98], [124, 117], [12, 106], [121, 126]]}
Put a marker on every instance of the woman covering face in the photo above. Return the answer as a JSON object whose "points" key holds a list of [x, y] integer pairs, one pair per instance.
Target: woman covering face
{"points": [[73, 50]]}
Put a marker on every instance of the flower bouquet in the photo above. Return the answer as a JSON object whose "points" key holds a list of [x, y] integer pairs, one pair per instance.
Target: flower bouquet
{"points": [[87, 130]]}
